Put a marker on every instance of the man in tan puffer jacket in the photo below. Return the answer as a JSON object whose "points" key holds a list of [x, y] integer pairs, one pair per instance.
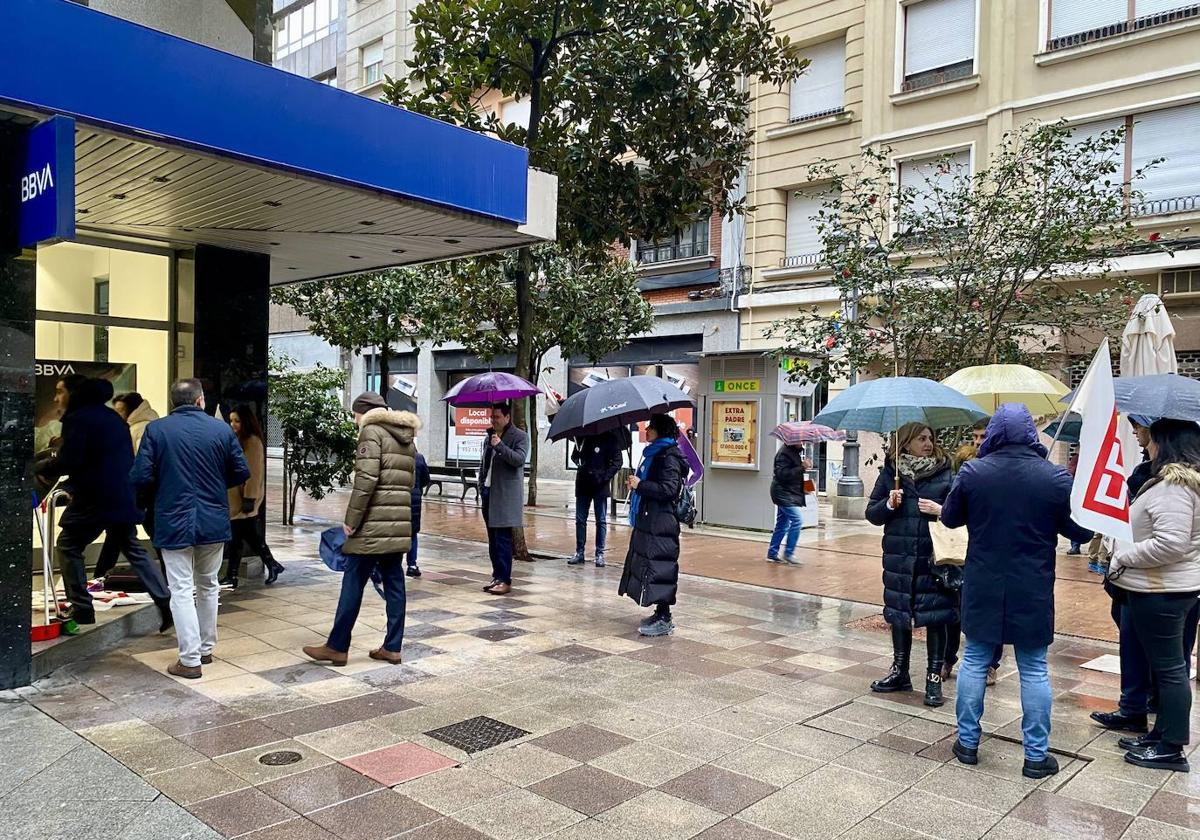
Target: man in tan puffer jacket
{"points": [[378, 525]]}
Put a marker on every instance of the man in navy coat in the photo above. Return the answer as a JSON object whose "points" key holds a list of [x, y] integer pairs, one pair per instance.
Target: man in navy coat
{"points": [[190, 460], [1014, 503]]}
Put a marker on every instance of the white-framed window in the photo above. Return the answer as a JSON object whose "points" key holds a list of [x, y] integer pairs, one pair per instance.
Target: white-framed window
{"points": [[1168, 136], [821, 91], [515, 112], [925, 176], [803, 246], [939, 42], [372, 62], [1074, 22], [304, 25]]}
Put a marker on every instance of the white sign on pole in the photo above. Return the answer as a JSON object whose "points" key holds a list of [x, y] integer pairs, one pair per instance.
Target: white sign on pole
{"points": [[1099, 497]]}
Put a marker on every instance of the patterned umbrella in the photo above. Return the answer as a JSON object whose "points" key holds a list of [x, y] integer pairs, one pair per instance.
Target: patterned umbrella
{"points": [[794, 433], [490, 387]]}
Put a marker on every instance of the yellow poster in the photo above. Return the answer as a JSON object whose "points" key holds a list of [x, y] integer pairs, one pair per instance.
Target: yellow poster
{"points": [[734, 440]]}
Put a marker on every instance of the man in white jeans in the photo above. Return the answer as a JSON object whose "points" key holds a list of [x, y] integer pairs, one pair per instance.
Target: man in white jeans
{"points": [[189, 460]]}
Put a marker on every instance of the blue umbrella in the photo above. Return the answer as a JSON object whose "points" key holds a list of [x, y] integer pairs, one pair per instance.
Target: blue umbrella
{"points": [[1067, 429], [1161, 395], [884, 405]]}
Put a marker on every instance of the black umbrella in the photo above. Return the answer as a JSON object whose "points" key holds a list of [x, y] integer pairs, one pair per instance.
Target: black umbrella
{"points": [[617, 402], [1160, 395]]}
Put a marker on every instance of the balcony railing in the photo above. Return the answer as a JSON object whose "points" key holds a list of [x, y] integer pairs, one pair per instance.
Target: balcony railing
{"points": [[800, 260], [1190, 11], [817, 115], [938, 76], [668, 252], [1164, 206]]}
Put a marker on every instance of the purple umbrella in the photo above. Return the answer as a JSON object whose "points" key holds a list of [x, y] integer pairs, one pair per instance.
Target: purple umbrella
{"points": [[693, 460], [490, 387]]}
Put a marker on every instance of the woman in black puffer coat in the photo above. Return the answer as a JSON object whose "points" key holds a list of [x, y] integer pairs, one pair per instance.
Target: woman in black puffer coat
{"points": [[912, 596], [651, 573]]}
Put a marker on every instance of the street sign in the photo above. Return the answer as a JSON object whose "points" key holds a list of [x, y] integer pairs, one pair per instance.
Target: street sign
{"points": [[46, 183], [737, 386]]}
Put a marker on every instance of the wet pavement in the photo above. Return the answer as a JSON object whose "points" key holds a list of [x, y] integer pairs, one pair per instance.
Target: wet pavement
{"points": [[752, 722]]}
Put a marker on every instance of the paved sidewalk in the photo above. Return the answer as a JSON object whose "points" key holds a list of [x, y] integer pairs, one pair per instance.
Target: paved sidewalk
{"points": [[752, 722]]}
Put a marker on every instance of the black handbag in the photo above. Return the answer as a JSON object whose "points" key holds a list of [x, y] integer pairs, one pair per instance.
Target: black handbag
{"points": [[949, 578]]}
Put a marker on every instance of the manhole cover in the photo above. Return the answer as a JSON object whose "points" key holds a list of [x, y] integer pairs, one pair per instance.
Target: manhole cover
{"points": [[279, 758], [476, 734]]}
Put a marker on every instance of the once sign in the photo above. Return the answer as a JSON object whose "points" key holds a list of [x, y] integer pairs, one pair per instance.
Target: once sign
{"points": [[737, 386]]}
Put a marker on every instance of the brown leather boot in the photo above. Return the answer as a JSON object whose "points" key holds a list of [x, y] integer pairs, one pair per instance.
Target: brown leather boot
{"points": [[324, 653], [384, 655], [188, 672], [499, 589]]}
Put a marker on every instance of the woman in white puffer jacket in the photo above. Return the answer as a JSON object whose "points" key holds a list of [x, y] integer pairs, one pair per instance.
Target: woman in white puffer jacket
{"points": [[1160, 573]]}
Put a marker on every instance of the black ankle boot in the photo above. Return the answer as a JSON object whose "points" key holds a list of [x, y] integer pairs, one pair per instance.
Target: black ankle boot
{"points": [[936, 640], [274, 567], [230, 580], [897, 678]]}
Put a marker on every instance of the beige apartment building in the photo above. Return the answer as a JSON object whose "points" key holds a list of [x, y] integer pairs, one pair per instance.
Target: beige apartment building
{"points": [[931, 77]]}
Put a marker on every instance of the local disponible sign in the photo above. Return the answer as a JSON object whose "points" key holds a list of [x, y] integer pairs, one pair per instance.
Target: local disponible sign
{"points": [[737, 386], [734, 440], [46, 183]]}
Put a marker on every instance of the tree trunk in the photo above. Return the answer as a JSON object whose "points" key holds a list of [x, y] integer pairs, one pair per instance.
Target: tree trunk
{"points": [[524, 369], [286, 485], [385, 370]]}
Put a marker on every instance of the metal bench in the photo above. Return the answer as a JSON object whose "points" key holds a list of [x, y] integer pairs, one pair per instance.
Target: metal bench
{"points": [[453, 472]]}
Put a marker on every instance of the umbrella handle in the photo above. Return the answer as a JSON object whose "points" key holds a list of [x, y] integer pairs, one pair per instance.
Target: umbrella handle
{"points": [[896, 455]]}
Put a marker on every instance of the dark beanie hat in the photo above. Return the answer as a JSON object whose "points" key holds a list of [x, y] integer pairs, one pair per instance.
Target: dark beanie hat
{"points": [[366, 401]]}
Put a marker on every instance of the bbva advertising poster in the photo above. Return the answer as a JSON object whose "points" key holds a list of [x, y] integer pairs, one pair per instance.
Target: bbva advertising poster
{"points": [[47, 416]]}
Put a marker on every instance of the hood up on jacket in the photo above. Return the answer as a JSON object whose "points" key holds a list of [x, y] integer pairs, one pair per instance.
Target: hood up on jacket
{"points": [[1012, 425], [402, 425]]}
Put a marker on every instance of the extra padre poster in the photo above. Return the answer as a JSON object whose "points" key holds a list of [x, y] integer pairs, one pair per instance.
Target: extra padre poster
{"points": [[47, 418], [734, 440]]}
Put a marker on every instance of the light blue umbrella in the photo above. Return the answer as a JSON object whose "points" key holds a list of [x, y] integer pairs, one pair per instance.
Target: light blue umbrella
{"points": [[884, 405]]}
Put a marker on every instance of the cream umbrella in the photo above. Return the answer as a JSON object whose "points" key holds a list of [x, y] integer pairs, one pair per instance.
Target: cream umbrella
{"points": [[1147, 349], [991, 386]]}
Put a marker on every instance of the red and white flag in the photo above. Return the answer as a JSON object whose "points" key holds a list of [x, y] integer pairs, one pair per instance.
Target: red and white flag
{"points": [[1099, 499]]}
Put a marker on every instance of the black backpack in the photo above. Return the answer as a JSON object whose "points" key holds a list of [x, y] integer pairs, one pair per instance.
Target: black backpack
{"points": [[685, 505]]}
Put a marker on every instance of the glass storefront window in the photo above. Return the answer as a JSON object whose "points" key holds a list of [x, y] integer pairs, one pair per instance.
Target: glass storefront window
{"points": [[85, 279]]}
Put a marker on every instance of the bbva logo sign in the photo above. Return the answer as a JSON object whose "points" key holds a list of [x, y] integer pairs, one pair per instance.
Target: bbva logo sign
{"points": [[36, 183]]}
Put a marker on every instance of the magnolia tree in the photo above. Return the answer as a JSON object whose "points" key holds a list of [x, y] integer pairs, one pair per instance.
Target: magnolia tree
{"points": [[584, 301], [319, 436], [962, 269]]}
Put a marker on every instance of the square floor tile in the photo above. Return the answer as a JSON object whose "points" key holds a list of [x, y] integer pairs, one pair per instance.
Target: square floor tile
{"points": [[587, 789], [399, 763], [574, 654], [197, 782], [267, 762], [320, 788], [734, 829], [156, 756], [718, 790], [241, 812], [350, 739], [1071, 817], [454, 788], [658, 815], [582, 742], [477, 734], [297, 829], [518, 815], [329, 715], [445, 829], [497, 634], [523, 764], [823, 804], [375, 816], [646, 764], [299, 674], [232, 738]]}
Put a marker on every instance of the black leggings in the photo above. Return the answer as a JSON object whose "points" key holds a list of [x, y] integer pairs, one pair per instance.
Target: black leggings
{"points": [[1159, 618], [246, 531]]}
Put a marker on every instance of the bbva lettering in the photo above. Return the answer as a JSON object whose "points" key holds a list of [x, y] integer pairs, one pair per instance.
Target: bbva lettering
{"points": [[51, 369], [36, 183]]}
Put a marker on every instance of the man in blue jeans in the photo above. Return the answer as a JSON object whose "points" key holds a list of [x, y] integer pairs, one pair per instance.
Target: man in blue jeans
{"points": [[1014, 503], [598, 458]]}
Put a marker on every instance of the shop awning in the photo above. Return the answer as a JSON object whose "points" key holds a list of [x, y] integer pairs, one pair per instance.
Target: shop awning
{"points": [[182, 144]]}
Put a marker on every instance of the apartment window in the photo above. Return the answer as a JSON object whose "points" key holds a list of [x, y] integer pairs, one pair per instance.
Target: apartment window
{"points": [[304, 26], [1168, 136], [1183, 282], [692, 241], [803, 247], [939, 42], [372, 63], [515, 112], [923, 178], [1076, 22], [329, 79], [821, 91]]}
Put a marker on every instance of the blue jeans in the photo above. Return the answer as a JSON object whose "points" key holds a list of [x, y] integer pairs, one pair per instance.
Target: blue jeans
{"points": [[411, 558], [500, 545], [787, 521], [354, 580], [600, 504], [1035, 696]]}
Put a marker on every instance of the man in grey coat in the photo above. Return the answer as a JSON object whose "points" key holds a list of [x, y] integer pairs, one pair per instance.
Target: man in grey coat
{"points": [[502, 489]]}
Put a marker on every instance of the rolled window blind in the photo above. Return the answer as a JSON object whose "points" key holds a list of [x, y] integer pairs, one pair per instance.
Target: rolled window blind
{"points": [[802, 210], [938, 33], [924, 175], [1070, 17], [823, 85], [1169, 134], [1095, 129]]}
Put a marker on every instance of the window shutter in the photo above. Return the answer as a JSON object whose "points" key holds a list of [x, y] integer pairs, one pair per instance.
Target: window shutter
{"points": [[1095, 129], [1170, 134], [823, 86], [372, 54], [1070, 17], [1153, 7], [802, 237], [938, 33], [515, 112], [923, 176]]}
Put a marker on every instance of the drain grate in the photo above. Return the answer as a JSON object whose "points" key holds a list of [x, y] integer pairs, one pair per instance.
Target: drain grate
{"points": [[279, 758], [476, 734]]}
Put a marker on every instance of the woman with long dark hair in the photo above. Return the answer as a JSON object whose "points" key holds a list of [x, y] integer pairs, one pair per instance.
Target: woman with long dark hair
{"points": [[912, 595], [1160, 575], [245, 501]]}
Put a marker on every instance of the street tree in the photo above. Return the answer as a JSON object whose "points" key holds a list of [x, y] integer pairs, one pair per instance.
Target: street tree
{"points": [[639, 107], [379, 309], [964, 268], [319, 436], [584, 301]]}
